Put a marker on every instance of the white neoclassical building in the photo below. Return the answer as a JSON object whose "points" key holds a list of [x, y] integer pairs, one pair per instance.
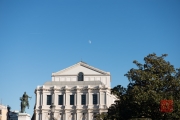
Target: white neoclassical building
{"points": [[78, 93]]}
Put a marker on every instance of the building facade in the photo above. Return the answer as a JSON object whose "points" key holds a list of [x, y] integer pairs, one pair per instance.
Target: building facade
{"points": [[78, 92], [3, 112]]}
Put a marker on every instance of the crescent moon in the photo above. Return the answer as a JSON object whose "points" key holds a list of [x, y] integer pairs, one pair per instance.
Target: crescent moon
{"points": [[89, 42]]}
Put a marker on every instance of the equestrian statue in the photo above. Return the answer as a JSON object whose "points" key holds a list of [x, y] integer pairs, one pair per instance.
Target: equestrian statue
{"points": [[24, 102]]}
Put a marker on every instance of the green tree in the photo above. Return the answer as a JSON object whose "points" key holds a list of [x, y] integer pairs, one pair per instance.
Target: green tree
{"points": [[102, 116], [151, 82]]}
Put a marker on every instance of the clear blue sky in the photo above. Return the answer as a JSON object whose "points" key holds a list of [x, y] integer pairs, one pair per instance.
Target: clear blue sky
{"points": [[38, 37]]}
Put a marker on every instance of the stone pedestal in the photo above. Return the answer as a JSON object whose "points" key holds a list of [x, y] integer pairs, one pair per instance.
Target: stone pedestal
{"points": [[24, 116]]}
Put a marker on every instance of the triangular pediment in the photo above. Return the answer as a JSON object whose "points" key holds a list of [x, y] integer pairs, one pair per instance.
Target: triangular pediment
{"points": [[80, 67]]}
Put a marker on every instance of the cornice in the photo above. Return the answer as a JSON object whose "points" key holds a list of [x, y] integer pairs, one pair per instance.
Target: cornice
{"points": [[69, 89], [93, 68], [75, 75]]}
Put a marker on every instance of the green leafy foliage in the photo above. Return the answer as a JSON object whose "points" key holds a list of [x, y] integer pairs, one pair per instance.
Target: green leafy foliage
{"points": [[102, 116], [151, 82]]}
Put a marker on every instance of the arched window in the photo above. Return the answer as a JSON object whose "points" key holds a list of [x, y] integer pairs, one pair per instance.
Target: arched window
{"points": [[80, 76]]}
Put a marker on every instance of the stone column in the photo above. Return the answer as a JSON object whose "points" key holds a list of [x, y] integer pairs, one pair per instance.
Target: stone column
{"points": [[66, 116], [74, 116], [37, 116], [43, 116], [64, 98], [75, 99], [55, 97], [89, 98], [37, 98], [41, 99], [77, 116], [52, 97], [62, 117], [105, 102], [89, 116], [78, 98], [43, 96], [107, 99], [98, 100], [101, 103]]}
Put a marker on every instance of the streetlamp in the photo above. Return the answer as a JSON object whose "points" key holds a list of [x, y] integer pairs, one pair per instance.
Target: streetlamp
{"points": [[52, 107]]}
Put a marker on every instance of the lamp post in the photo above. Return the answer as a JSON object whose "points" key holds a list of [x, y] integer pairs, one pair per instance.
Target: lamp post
{"points": [[52, 107]]}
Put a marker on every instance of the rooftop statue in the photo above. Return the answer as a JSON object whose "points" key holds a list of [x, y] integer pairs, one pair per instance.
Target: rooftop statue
{"points": [[24, 102]]}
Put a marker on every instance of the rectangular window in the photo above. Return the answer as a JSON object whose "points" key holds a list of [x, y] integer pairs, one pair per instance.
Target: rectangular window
{"points": [[94, 99], [49, 99], [71, 99], [83, 99], [0, 112], [60, 101]]}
